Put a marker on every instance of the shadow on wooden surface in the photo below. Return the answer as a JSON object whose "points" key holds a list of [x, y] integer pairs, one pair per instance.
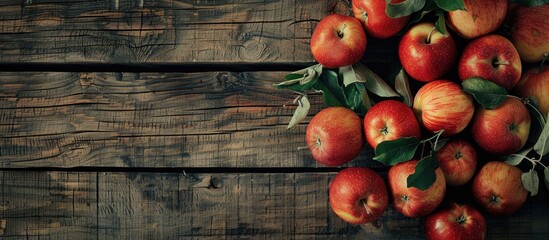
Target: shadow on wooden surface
{"points": [[90, 205], [167, 31]]}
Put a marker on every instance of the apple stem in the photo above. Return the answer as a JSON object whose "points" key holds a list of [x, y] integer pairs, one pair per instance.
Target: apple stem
{"points": [[365, 16], [461, 219], [340, 31], [513, 127], [366, 206], [428, 41], [498, 62], [384, 130]]}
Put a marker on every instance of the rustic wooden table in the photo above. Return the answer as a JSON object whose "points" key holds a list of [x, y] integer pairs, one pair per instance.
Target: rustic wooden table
{"points": [[123, 119]]}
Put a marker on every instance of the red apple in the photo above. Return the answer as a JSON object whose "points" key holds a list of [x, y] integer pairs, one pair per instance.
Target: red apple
{"points": [[376, 22], [425, 53], [334, 136], [459, 222], [503, 130], [338, 41], [413, 202], [358, 195], [530, 32], [498, 188], [493, 58], [442, 105], [480, 17], [458, 161], [535, 83], [390, 120]]}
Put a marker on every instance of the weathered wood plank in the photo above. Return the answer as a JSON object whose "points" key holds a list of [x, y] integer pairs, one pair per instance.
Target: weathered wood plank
{"points": [[167, 31], [208, 119], [90, 205]]}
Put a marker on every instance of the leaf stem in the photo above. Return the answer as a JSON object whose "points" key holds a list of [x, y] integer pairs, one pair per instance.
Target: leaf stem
{"points": [[439, 133], [436, 136], [527, 102]]}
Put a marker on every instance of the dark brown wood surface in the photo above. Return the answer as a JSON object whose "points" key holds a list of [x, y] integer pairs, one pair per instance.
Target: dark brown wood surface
{"points": [[165, 31], [157, 119], [204, 119], [110, 205]]}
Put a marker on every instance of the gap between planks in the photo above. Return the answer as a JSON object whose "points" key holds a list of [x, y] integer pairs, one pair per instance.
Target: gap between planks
{"points": [[154, 67], [191, 170]]}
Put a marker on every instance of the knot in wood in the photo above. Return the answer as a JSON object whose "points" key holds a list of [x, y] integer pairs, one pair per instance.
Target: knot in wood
{"points": [[209, 182]]}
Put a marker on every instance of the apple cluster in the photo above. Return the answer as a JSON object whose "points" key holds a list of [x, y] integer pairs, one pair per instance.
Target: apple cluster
{"points": [[336, 135]]}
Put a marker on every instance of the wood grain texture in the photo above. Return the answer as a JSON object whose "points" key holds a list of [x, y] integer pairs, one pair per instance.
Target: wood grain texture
{"points": [[167, 31], [209, 119], [90, 205]]}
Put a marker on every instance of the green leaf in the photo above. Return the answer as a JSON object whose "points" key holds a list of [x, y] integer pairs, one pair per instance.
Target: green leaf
{"points": [[450, 5], [396, 151], [530, 3], [301, 80], [290, 77], [300, 112], [542, 145], [329, 85], [348, 75], [424, 174], [440, 24], [530, 181], [298, 87], [366, 101], [418, 16], [516, 159], [402, 86], [546, 176], [486, 93], [406, 8], [354, 95], [373, 82]]}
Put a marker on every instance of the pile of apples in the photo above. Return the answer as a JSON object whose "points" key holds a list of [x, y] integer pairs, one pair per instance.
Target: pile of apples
{"points": [[440, 109]]}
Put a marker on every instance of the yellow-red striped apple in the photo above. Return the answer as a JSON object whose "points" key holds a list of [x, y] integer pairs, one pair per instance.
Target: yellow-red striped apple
{"points": [[458, 161], [498, 188], [535, 83], [480, 17], [530, 32], [442, 105]]}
